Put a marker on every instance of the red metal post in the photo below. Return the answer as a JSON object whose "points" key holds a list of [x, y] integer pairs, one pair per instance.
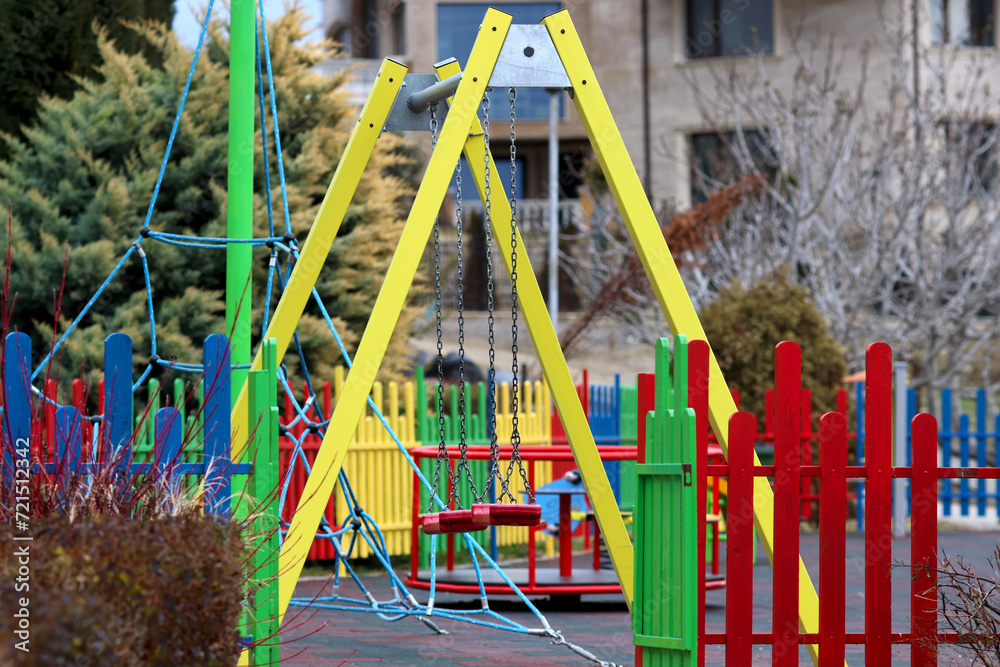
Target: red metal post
{"points": [[739, 543], [327, 411], [787, 432], [532, 530], [415, 526], [842, 402], [832, 537], [878, 505], [79, 402], [923, 542], [450, 554], [717, 511], [49, 412]]}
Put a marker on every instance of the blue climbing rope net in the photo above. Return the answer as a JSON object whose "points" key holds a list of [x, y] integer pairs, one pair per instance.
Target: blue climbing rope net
{"points": [[357, 525]]}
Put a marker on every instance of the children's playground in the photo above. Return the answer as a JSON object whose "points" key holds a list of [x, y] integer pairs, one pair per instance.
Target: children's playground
{"points": [[492, 520]]}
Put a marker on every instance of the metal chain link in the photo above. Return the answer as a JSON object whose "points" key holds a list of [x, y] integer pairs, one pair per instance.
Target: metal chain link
{"points": [[442, 455], [463, 462], [494, 471], [515, 435]]}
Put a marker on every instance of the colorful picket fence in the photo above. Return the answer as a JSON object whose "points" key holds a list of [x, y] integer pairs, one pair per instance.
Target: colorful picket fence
{"points": [[534, 424], [612, 423], [113, 437], [611, 410], [381, 475], [66, 443], [411, 410], [834, 474], [375, 464]]}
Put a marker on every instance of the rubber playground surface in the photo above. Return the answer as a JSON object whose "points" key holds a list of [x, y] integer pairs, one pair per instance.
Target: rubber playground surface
{"points": [[599, 624]]}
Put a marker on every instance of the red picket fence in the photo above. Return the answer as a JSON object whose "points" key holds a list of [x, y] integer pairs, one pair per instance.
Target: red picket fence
{"points": [[808, 441], [833, 474], [320, 549]]}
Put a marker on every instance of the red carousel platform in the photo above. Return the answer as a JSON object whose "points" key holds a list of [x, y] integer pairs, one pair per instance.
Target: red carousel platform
{"points": [[565, 579]]}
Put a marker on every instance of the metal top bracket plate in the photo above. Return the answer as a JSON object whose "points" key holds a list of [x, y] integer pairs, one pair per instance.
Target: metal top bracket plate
{"points": [[528, 59], [401, 118]]}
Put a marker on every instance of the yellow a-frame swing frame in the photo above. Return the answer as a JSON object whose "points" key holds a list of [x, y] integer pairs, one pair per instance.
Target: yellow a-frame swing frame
{"points": [[461, 131]]}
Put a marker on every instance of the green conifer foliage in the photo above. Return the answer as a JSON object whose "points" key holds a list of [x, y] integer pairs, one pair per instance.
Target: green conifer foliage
{"points": [[83, 175], [47, 45], [743, 327]]}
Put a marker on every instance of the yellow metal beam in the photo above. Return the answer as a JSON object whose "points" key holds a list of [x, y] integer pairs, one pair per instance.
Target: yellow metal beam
{"points": [[550, 356], [385, 314], [661, 270], [323, 231]]}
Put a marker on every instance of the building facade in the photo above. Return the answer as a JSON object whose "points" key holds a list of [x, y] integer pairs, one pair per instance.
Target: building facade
{"points": [[650, 56]]}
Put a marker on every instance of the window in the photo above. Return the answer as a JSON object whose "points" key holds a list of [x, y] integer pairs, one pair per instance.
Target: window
{"points": [[457, 27], [962, 22], [714, 164], [729, 27], [367, 27], [399, 29], [343, 36]]}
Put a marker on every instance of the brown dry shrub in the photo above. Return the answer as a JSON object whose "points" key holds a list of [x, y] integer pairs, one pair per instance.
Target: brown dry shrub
{"points": [[113, 590]]}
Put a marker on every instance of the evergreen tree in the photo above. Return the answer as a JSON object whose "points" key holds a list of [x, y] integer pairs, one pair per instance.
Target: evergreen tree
{"points": [[48, 45], [81, 179]]}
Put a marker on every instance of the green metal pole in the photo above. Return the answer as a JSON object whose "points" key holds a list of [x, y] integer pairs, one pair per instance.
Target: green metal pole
{"points": [[242, 39]]}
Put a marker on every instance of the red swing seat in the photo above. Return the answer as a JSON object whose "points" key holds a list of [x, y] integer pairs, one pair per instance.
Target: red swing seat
{"points": [[449, 521], [503, 514]]}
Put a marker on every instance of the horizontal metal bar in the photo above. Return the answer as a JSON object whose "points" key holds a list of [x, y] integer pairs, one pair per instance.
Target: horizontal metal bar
{"points": [[442, 90], [861, 472]]}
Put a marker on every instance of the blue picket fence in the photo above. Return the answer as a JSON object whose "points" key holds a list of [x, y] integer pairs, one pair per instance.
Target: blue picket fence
{"points": [[603, 413], [116, 435], [978, 446]]}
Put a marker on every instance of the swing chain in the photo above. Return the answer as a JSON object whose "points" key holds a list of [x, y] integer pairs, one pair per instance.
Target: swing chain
{"points": [[515, 436], [494, 467], [442, 455], [463, 462], [494, 471]]}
